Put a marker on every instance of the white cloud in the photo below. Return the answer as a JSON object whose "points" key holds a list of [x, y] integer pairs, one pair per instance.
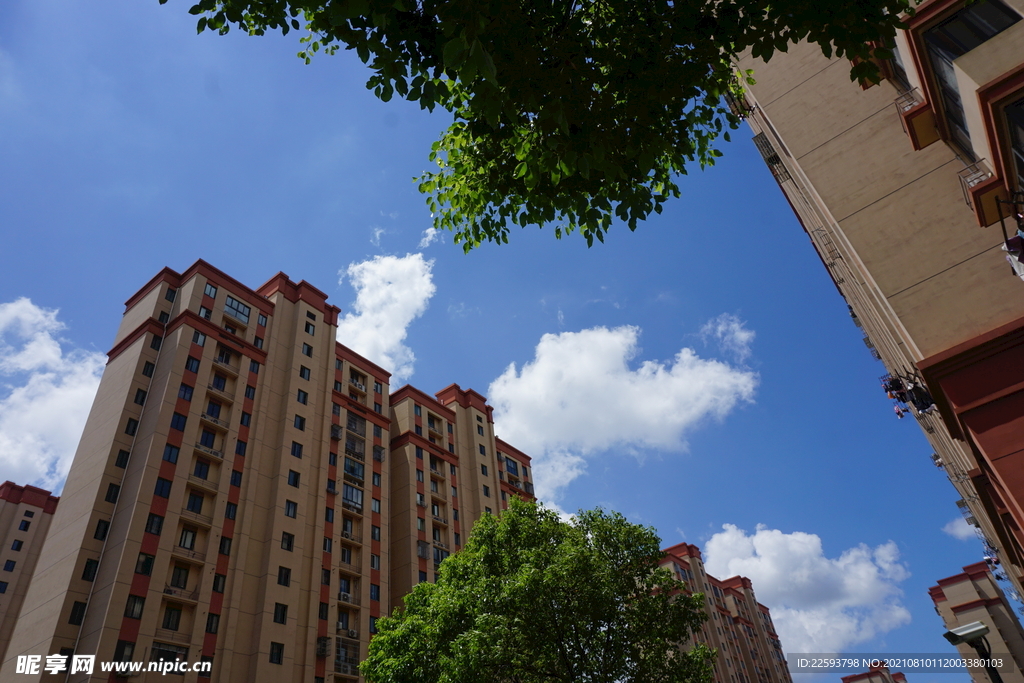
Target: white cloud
{"points": [[391, 292], [430, 235], [579, 396], [818, 604], [731, 335], [960, 529], [376, 235], [45, 396]]}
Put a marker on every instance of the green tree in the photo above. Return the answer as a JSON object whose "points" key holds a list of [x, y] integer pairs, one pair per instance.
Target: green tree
{"points": [[567, 112], [534, 599]]}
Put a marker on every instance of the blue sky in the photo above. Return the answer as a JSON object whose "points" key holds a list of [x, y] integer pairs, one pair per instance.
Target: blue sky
{"points": [[698, 373]]}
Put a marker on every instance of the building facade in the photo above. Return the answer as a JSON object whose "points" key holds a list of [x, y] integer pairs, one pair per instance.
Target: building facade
{"points": [[248, 496], [878, 673], [899, 187], [25, 516], [738, 626], [974, 595]]}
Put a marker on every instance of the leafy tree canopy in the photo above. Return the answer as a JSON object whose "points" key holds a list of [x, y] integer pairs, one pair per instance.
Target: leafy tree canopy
{"points": [[533, 599], [569, 112]]}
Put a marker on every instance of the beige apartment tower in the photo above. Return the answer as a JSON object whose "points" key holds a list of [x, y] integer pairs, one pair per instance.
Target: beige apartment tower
{"points": [[248, 496], [738, 626], [899, 187], [974, 595], [25, 516]]}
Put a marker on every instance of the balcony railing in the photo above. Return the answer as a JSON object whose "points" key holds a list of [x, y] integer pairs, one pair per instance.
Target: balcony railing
{"points": [[351, 505], [174, 636], [441, 544], [209, 451], [357, 427], [357, 454], [195, 516], [354, 478], [223, 393], [224, 365], [358, 385], [188, 553], [207, 484], [442, 520], [972, 175], [182, 593], [215, 420], [349, 598]]}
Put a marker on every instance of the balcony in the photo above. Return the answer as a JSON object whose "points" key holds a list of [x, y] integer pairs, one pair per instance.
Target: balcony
{"points": [[224, 365], [435, 427], [219, 422], [172, 636], [182, 594], [221, 393], [209, 451], [196, 517], [349, 536], [440, 520], [188, 554], [441, 544], [205, 484], [352, 506], [358, 385], [348, 598], [348, 668], [356, 426], [353, 478], [358, 454]]}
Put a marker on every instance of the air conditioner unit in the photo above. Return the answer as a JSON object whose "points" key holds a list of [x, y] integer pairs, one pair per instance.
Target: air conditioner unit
{"points": [[323, 646], [345, 597], [352, 633], [341, 626], [346, 534]]}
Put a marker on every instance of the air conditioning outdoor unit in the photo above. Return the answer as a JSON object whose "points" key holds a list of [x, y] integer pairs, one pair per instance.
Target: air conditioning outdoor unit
{"points": [[341, 626], [346, 534], [352, 633], [345, 597]]}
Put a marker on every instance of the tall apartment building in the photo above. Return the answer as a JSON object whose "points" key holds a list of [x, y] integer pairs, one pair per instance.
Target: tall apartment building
{"points": [[244, 490], [739, 627], [897, 186], [974, 595], [25, 516], [877, 673]]}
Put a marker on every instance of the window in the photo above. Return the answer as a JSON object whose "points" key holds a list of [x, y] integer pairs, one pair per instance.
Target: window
{"points": [[178, 422], [163, 317], [192, 364], [250, 392], [307, 350], [9, 565], [156, 342], [185, 392], [302, 397], [457, 540], [423, 577], [218, 582], [240, 447], [187, 539], [77, 613], [172, 618], [483, 470], [179, 576], [324, 610], [205, 313], [236, 478], [147, 369], [418, 430], [332, 459], [261, 320], [225, 546], [300, 423], [310, 328], [237, 309], [480, 430], [291, 509], [277, 653], [133, 610], [212, 623], [374, 592], [483, 451], [378, 408], [154, 524], [206, 438], [455, 492], [451, 448], [163, 488], [419, 475], [376, 479], [280, 613], [102, 527], [112, 492], [304, 372], [487, 510], [487, 492], [375, 533], [29, 513], [419, 452], [195, 502], [220, 382], [374, 505], [378, 387], [89, 571], [144, 565], [246, 419], [210, 290], [213, 409], [296, 449], [284, 576], [374, 561], [417, 410], [16, 546], [254, 367], [351, 495], [122, 459], [131, 427], [201, 469], [421, 500]]}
